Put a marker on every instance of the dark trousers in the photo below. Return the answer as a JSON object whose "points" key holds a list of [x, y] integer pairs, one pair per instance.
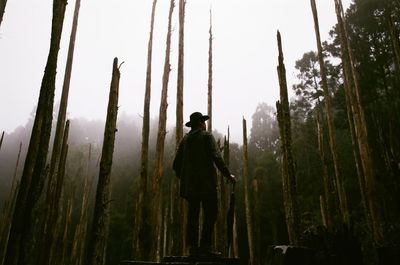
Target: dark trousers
{"points": [[210, 210]]}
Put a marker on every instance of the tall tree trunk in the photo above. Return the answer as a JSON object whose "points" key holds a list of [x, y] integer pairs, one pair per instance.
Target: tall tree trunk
{"points": [[210, 80], [9, 209], [98, 235], [32, 177], [360, 127], [139, 233], [246, 194], [179, 116], [288, 170], [330, 119], [1, 139], [162, 131], [80, 231], [3, 4], [52, 214]]}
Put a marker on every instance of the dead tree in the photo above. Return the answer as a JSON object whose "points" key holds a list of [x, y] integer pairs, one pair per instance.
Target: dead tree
{"points": [[352, 89], [80, 231], [98, 235], [139, 232], [3, 4], [32, 177], [157, 209], [288, 170], [331, 126], [246, 194], [1, 139], [210, 75]]}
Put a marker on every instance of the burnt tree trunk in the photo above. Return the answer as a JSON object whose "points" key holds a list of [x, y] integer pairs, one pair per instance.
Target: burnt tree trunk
{"points": [[330, 119], [157, 209], [32, 179], [139, 230], [288, 170], [350, 72], [1, 139], [246, 194], [98, 235]]}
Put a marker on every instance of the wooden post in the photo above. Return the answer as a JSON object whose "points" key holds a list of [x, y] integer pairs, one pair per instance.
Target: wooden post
{"points": [[98, 235]]}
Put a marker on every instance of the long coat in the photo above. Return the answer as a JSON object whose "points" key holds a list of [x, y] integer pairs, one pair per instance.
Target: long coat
{"points": [[194, 164]]}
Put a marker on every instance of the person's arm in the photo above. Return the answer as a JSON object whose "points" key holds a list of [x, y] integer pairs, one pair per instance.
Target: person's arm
{"points": [[217, 158], [177, 164]]}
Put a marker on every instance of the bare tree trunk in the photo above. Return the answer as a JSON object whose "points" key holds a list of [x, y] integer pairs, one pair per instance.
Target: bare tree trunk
{"points": [[1, 139], [360, 128], [331, 126], [9, 209], [162, 131], [3, 4], [54, 206], [80, 231], [288, 170], [98, 235], [210, 80], [246, 194], [139, 230], [328, 199], [32, 179], [179, 114]]}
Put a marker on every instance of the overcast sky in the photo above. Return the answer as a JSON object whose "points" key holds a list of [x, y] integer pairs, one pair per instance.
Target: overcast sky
{"points": [[245, 55]]}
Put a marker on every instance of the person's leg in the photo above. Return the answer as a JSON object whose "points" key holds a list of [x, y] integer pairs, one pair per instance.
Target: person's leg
{"points": [[192, 233], [210, 207]]}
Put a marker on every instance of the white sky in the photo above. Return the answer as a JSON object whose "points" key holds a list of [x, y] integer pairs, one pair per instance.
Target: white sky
{"points": [[245, 55]]}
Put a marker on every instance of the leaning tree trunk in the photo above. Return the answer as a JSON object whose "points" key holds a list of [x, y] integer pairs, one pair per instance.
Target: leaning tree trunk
{"points": [[1, 139], [210, 81], [139, 230], [246, 194], [288, 170], [331, 126], [3, 4], [98, 235], [32, 177], [54, 180], [157, 210], [360, 127]]}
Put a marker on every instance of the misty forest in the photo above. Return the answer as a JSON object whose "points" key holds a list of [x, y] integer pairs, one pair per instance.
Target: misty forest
{"points": [[318, 173]]}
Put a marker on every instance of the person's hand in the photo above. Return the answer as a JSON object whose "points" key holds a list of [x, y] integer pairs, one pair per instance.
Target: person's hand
{"points": [[232, 179]]}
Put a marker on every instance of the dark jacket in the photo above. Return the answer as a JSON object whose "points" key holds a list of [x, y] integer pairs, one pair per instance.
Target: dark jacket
{"points": [[194, 164]]}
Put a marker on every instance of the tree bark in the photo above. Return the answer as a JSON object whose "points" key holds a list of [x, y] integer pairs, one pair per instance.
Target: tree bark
{"points": [[160, 146], [330, 119], [246, 194], [3, 4], [32, 177], [350, 72], [288, 170], [98, 235], [139, 230], [210, 75]]}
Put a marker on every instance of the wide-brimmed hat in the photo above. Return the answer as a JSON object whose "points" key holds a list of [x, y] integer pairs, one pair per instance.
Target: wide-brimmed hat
{"points": [[195, 118]]}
